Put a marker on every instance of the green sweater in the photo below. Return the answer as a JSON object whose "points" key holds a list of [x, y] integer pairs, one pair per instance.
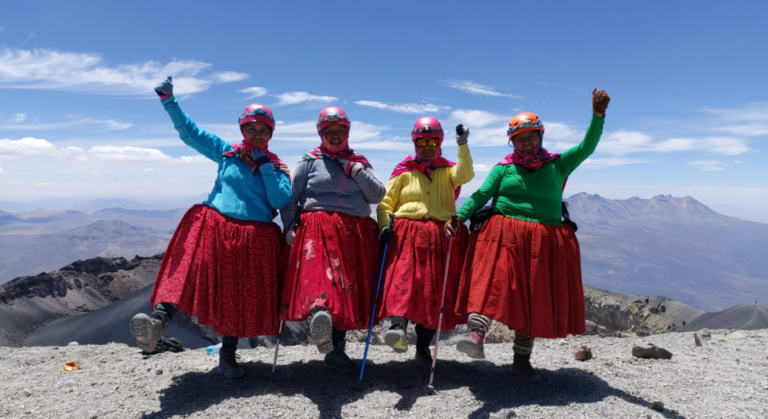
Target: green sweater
{"points": [[533, 195]]}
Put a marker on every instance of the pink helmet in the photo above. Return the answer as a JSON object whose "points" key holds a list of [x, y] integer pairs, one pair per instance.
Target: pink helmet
{"points": [[332, 115], [427, 127], [257, 113]]}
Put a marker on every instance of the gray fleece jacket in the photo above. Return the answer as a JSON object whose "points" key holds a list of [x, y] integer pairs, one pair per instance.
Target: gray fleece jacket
{"points": [[322, 185]]}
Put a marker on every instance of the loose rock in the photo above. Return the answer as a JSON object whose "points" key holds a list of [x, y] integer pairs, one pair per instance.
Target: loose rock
{"points": [[696, 339], [658, 406], [650, 351], [582, 352]]}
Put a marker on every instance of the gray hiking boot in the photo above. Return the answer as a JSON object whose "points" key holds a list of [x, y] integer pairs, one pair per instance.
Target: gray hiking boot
{"points": [[472, 344], [148, 330], [228, 363], [321, 329], [338, 359]]}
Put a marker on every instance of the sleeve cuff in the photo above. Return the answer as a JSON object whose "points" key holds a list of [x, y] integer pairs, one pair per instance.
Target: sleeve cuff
{"points": [[267, 169]]}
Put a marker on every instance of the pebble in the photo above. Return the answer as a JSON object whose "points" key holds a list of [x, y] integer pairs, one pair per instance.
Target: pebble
{"points": [[658, 406], [582, 352], [696, 339], [159, 372], [26, 393]]}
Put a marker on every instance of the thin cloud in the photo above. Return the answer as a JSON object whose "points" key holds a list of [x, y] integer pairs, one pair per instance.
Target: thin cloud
{"points": [[18, 117], [470, 86], [293, 98], [228, 77], [708, 165], [253, 92], [611, 162], [412, 108], [627, 142], [477, 118], [97, 124], [749, 121], [44, 69]]}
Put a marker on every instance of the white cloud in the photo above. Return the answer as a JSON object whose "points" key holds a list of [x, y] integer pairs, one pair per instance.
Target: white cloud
{"points": [[626, 142], [611, 162], [481, 168], [477, 118], [293, 98], [470, 86], [414, 108], [749, 121], [19, 117], [253, 92], [228, 77], [86, 72], [128, 153], [707, 165], [98, 124], [25, 147]]}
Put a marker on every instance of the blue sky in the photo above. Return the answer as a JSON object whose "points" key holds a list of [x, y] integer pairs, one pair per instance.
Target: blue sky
{"points": [[689, 114]]}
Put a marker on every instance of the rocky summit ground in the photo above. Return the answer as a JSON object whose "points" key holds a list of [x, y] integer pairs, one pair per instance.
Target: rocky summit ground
{"points": [[726, 377]]}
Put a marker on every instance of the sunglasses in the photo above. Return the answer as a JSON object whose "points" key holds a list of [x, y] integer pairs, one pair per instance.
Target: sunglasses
{"points": [[422, 142]]}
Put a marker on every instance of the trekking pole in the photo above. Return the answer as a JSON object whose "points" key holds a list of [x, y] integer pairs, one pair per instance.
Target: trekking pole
{"points": [[294, 224], [277, 348], [373, 313], [454, 224]]}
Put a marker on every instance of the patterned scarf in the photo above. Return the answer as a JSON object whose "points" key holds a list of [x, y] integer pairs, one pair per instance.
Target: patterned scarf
{"points": [[424, 166], [244, 153], [533, 161], [319, 153]]}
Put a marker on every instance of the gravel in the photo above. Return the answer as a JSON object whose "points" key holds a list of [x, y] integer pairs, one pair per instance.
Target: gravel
{"points": [[115, 382]]}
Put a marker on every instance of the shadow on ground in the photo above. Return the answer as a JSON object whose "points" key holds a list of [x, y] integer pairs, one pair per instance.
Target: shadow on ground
{"points": [[493, 385]]}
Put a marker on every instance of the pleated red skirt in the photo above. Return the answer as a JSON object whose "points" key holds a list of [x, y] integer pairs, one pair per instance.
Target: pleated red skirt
{"points": [[334, 256], [225, 271], [526, 275], [414, 272]]}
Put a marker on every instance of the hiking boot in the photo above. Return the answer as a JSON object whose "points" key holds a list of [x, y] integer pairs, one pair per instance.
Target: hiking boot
{"points": [[521, 366], [148, 329], [423, 354], [228, 362], [321, 329], [338, 359], [472, 344], [395, 338]]}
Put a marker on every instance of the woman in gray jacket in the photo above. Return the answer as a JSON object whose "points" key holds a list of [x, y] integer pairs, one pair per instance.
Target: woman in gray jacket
{"points": [[335, 256]]}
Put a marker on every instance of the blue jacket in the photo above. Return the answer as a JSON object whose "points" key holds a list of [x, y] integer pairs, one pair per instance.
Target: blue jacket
{"points": [[237, 193]]}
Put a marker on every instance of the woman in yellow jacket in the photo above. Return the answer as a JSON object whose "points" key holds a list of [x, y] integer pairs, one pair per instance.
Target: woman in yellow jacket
{"points": [[421, 194]]}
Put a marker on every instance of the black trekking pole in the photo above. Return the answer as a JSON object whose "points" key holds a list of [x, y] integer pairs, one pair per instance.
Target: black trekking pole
{"points": [[455, 225]]}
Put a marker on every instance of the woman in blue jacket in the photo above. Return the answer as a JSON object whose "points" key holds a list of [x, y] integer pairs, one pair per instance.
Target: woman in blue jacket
{"points": [[224, 262]]}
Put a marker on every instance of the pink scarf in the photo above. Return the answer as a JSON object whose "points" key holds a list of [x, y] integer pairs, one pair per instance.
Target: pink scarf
{"points": [[424, 166], [243, 151], [533, 161]]}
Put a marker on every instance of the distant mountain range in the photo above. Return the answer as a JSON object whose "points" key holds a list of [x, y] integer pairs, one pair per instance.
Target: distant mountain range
{"points": [[676, 247]]}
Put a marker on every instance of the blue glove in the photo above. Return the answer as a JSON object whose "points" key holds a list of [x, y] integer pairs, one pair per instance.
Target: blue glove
{"points": [[260, 157], [165, 88]]}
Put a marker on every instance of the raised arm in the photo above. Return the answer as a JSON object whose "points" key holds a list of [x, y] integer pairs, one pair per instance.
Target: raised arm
{"points": [[463, 171], [571, 159], [205, 143]]}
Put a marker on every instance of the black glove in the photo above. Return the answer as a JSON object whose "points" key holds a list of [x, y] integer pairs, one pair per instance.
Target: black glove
{"points": [[477, 220], [386, 233], [462, 134]]}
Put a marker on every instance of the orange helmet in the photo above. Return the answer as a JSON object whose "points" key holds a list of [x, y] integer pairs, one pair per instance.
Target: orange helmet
{"points": [[524, 122]]}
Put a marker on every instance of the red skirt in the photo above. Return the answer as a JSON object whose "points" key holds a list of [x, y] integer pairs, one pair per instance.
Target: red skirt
{"points": [[224, 271], [335, 255], [526, 275], [415, 268]]}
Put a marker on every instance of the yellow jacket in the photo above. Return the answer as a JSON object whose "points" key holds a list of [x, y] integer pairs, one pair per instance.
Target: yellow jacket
{"points": [[412, 195]]}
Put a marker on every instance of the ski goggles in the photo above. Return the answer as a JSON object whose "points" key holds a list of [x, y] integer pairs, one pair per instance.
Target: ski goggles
{"points": [[422, 142], [426, 129]]}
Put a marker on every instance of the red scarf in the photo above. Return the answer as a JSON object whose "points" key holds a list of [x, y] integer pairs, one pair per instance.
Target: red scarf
{"points": [[243, 151], [424, 166], [533, 161]]}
